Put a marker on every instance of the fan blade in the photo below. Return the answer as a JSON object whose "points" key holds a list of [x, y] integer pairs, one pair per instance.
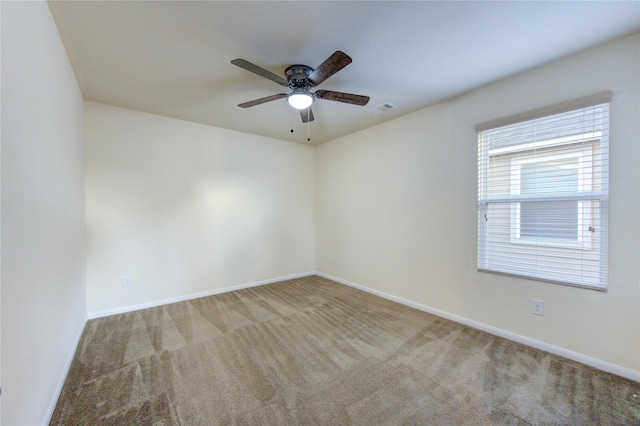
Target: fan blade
{"points": [[260, 71], [347, 98], [306, 114], [262, 100], [332, 65]]}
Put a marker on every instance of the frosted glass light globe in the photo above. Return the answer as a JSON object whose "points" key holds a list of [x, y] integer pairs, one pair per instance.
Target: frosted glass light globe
{"points": [[300, 100]]}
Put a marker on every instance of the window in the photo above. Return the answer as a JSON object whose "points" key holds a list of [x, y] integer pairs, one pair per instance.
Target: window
{"points": [[556, 221], [542, 197]]}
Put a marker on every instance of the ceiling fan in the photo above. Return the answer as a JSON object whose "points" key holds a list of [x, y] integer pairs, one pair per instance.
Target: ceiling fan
{"points": [[301, 79]]}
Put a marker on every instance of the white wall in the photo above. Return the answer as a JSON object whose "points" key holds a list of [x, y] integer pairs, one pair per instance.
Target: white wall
{"points": [[43, 294], [184, 208], [396, 210]]}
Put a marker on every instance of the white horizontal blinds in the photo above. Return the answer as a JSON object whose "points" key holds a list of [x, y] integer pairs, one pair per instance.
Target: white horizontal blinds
{"points": [[542, 197]]}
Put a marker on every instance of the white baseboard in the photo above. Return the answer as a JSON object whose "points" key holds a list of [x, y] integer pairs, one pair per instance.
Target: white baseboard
{"points": [[65, 373], [153, 304], [556, 350]]}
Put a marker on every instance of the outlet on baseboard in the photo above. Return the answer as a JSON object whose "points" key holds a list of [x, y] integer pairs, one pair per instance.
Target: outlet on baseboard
{"points": [[537, 307], [126, 282]]}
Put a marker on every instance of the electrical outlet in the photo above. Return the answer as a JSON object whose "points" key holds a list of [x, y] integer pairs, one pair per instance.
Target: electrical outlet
{"points": [[537, 307], [126, 282], [327, 259]]}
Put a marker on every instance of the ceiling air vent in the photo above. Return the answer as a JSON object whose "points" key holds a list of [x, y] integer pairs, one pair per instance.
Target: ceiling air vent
{"points": [[382, 108]]}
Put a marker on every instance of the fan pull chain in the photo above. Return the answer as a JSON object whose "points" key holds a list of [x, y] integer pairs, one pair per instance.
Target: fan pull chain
{"points": [[291, 116], [308, 126]]}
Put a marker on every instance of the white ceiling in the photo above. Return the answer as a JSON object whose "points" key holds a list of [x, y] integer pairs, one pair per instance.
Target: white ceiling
{"points": [[173, 58]]}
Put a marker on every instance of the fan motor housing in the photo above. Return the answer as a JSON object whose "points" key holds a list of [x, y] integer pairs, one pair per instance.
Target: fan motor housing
{"points": [[298, 75]]}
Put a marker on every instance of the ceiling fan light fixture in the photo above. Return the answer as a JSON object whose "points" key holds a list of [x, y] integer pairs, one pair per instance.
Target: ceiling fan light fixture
{"points": [[300, 99], [301, 79]]}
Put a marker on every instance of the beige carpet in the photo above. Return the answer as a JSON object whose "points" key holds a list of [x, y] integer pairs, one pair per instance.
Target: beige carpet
{"points": [[311, 351]]}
